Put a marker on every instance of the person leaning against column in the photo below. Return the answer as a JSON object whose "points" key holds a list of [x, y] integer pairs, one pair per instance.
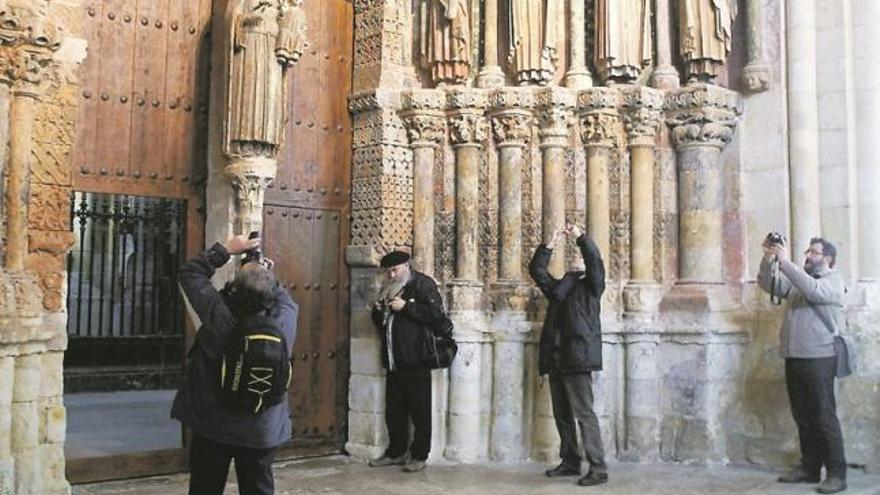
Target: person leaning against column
{"points": [[814, 296], [570, 350]]}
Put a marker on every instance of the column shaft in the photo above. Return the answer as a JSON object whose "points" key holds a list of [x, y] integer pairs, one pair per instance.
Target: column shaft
{"points": [[803, 122], [463, 443], [642, 398], [423, 208], [467, 162], [598, 198], [578, 75], [490, 74], [17, 180], [700, 205], [507, 426], [553, 202], [665, 76], [642, 198], [510, 212]]}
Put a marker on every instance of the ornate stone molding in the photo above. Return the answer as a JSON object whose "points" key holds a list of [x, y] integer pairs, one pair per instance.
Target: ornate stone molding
{"points": [[642, 110], [556, 113], [703, 114], [28, 43], [598, 108]]}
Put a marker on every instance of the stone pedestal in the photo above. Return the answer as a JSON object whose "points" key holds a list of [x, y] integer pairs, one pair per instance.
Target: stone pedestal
{"points": [[703, 118]]}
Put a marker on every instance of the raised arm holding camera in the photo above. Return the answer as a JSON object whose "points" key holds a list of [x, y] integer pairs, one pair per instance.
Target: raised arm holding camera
{"points": [[813, 315], [233, 395]]}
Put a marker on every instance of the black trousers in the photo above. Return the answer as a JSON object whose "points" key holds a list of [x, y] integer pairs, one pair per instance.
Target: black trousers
{"points": [[408, 398], [810, 384], [571, 396], [209, 466]]}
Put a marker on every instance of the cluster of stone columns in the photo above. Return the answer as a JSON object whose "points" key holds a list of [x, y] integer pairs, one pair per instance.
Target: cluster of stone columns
{"points": [[702, 119]]}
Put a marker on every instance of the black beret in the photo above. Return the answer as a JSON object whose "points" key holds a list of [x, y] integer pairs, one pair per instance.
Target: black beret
{"points": [[394, 258]]}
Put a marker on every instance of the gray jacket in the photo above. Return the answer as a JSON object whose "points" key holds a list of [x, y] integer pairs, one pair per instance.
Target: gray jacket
{"points": [[803, 333]]}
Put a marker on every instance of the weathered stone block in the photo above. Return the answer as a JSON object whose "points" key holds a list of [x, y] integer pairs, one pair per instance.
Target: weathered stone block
{"points": [[28, 475], [54, 424], [7, 476], [7, 380], [28, 374], [5, 431], [52, 379], [52, 465], [25, 427], [366, 393], [366, 428], [365, 355]]}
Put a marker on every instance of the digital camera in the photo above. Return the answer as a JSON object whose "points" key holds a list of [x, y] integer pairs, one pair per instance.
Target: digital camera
{"points": [[775, 238], [255, 254]]}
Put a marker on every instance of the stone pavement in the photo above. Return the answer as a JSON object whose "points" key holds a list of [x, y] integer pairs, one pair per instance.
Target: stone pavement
{"points": [[338, 475]]}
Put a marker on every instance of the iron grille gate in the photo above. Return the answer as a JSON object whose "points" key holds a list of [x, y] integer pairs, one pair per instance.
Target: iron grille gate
{"points": [[125, 315]]}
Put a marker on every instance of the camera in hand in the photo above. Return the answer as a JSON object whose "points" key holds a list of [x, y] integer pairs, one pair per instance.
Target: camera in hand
{"points": [[255, 254], [775, 238]]}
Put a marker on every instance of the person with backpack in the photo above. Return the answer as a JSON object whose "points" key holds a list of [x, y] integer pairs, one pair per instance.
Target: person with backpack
{"points": [[569, 351], [813, 316], [407, 312], [233, 395]]}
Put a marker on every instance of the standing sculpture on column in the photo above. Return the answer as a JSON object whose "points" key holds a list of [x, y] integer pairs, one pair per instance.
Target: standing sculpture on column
{"points": [[705, 34], [623, 39], [445, 40], [267, 37], [533, 39]]}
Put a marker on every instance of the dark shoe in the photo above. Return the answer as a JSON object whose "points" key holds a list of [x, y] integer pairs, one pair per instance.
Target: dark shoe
{"points": [[798, 475], [563, 470], [389, 461], [414, 466], [593, 478], [832, 484]]}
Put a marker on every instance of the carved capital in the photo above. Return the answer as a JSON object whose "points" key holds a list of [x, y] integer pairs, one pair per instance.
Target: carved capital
{"points": [[467, 128], [28, 43], [703, 114], [249, 179], [599, 116], [424, 129], [756, 78], [512, 127], [642, 114], [556, 112]]}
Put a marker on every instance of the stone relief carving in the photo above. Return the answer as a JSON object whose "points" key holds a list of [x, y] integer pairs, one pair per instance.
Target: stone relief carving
{"points": [[624, 39], [445, 40], [533, 39], [703, 114], [27, 47], [267, 37], [705, 34]]}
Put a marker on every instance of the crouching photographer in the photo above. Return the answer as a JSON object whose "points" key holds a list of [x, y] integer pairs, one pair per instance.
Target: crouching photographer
{"points": [[813, 316], [233, 395]]}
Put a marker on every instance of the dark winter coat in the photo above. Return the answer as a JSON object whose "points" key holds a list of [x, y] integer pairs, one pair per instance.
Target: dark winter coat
{"points": [[571, 340], [196, 403], [411, 326]]}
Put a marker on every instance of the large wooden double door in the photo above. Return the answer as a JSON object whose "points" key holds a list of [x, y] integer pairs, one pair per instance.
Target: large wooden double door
{"points": [[142, 130]]}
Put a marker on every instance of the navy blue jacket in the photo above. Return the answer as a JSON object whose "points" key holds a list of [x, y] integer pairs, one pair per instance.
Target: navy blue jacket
{"points": [[571, 339], [196, 403]]}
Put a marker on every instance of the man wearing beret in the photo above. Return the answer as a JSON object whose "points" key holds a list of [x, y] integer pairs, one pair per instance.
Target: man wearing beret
{"points": [[406, 311]]}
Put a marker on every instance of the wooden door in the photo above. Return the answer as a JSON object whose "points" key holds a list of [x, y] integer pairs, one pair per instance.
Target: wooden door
{"points": [[306, 223], [140, 131]]}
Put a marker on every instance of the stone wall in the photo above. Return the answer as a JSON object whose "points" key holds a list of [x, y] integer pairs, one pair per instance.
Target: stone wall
{"points": [[38, 58], [692, 372]]}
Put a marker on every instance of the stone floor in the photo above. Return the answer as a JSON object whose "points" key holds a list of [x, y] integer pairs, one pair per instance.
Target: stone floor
{"points": [[342, 475]]}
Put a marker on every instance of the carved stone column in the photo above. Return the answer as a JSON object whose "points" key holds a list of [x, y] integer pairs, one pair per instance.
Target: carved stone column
{"points": [[643, 113], [756, 74], [578, 75], [249, 180], [600, 123], [467, 130], [27, 47], [665, 75], [555, 107], [512, 127], [425, 122], [703, 118], [490, 75]]}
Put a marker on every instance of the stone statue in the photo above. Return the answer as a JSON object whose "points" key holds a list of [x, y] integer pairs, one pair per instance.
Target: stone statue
{"points": [[267, 37], [705, 33], [533, 39], [445, 40], [623, 39]]}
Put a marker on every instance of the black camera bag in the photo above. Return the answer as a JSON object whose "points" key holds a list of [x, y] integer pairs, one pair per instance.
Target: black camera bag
{"points": [[440, 346]]}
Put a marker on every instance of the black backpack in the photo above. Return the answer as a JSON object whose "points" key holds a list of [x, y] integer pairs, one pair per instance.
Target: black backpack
{"points": [[255, 368]]}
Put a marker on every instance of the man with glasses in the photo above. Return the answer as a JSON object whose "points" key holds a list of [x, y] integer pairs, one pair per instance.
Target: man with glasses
{"points": [[806, 341]]}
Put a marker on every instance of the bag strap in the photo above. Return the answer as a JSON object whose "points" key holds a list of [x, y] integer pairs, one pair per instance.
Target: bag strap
{"points": [[824, 319]]}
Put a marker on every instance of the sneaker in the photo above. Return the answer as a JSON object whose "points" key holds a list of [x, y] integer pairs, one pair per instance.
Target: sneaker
{"points": [[414, 466], [832, 484], [593, 478], [798, 475], [563, 470], [389, 461]]}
